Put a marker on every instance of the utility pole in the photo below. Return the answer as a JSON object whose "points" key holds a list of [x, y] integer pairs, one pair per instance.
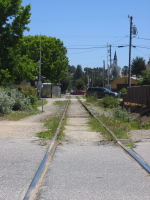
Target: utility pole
{"points": [[40, 81], [130, 45], [103, 73], [110, 54], [108, 66]]}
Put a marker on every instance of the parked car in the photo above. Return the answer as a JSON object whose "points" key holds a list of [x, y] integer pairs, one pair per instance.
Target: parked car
{"points": [[78, 92], [100, 92]]}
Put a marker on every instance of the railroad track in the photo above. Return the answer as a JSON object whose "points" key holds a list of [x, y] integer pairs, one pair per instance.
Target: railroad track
{"points": [[41, 171], [130, 152]]}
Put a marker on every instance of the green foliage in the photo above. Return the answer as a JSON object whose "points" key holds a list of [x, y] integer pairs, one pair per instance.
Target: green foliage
{"points": [[52, 125], [4, 76], [13, 22], [95, 75], [121, 114], [13, 101], [29, 92], [118, 127], [125, 70], [21, 103], [138, 65], [78, 73], [6, 102], [123, 90], [92, 99], [25, 58], [145, 78], [71, 69], [80, 84], [65, 82], [96, 126], [109, 102]]}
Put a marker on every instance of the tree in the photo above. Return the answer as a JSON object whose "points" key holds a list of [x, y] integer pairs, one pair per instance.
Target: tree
{"points": [[125, 70], [138, 65], [71, 69], [26, 55], [95, 75], [145, 78], [78, 73], [14, 19], [80, 84], [65, 82]]}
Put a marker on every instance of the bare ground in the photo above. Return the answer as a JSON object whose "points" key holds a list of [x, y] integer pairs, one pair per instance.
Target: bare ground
{"points": [[29, 126]]}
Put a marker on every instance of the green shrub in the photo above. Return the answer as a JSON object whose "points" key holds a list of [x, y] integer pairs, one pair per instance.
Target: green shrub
{"points": [[121, 114], [13, 100], [21, 103], [6, 102], [29, 92], [123, 90], [109, 102]]}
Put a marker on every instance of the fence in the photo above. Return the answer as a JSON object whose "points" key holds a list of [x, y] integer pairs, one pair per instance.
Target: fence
{"points": [[138, 95]]}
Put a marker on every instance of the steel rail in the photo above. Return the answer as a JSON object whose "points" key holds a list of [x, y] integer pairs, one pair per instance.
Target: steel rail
{"points": [[45, 159], [130, 152]]}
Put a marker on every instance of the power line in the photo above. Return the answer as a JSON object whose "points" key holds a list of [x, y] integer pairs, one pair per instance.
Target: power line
{"points": [[96, 47], [142, 38]]}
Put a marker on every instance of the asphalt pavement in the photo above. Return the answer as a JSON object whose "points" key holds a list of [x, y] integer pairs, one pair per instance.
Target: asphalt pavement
{"points": [[19, 160], [92, 171]]}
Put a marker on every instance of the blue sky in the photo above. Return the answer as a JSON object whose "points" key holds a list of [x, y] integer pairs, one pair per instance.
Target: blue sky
{"points": [[86, 27]]}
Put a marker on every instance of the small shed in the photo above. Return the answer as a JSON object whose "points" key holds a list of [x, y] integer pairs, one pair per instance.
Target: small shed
{"points": [[122, 82]]}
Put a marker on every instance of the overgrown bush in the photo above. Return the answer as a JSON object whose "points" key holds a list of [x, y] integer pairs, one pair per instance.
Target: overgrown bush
{"points": [[21, 103], [6, 102], [121, 114], [109, 102], [29, 92], [13, 100]]}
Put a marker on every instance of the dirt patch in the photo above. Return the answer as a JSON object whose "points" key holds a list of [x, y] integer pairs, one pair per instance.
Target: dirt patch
{"points": [[29, 126], [141, 113]]}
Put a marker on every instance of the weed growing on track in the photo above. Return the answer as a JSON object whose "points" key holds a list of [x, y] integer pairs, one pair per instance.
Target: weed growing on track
{"points": [[96, 126], [61, 103], [120, 121], [92, 99], [51, 125], [61, 134]]}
